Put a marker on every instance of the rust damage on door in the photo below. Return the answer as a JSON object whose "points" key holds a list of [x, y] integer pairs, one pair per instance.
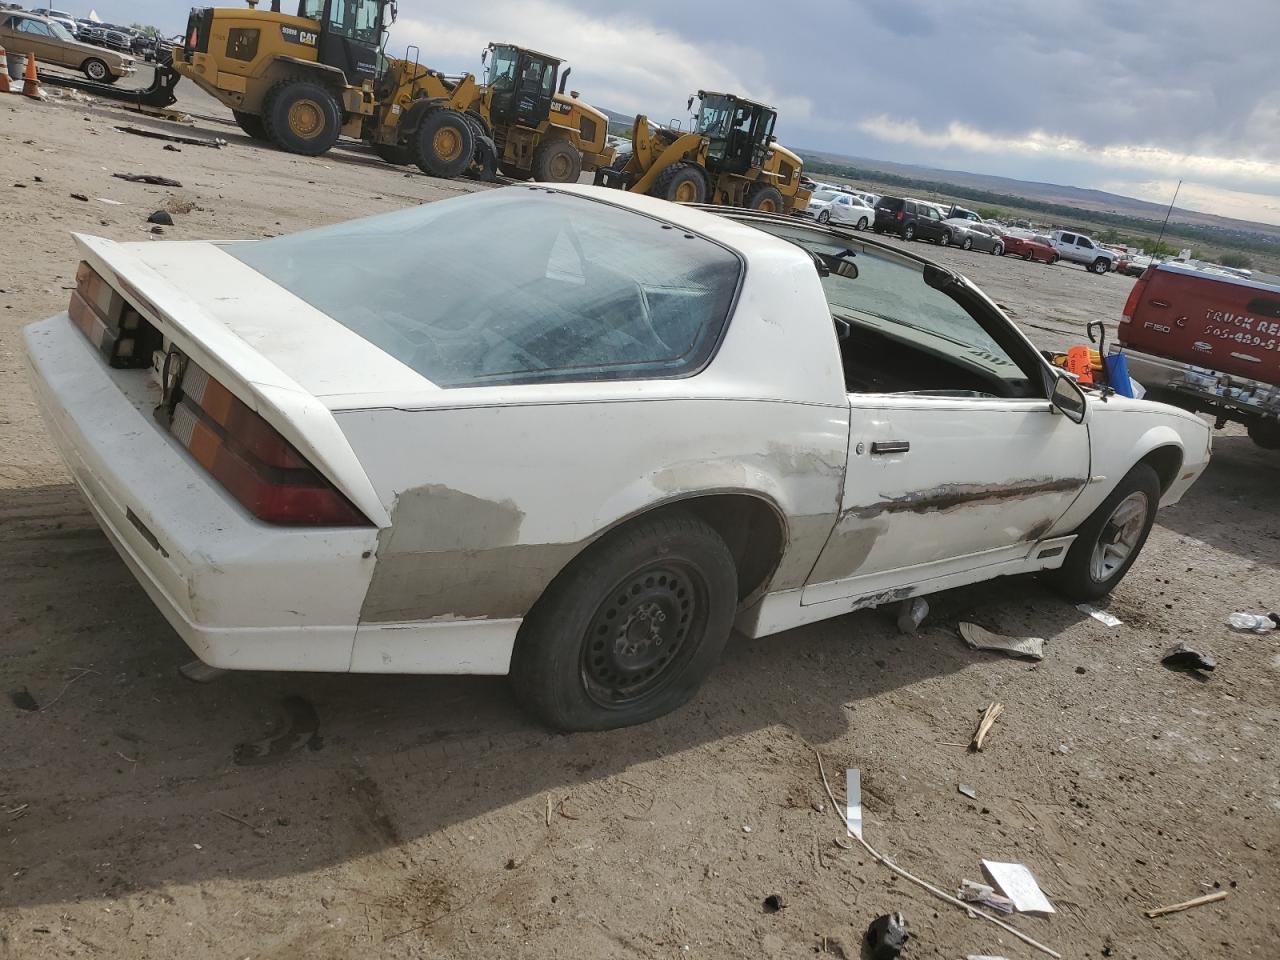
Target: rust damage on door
{"points": [[949, 496]]}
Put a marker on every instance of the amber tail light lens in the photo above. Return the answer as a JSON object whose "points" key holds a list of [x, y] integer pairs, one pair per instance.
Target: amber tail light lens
{"points": [[252, 461], [119, 332]]}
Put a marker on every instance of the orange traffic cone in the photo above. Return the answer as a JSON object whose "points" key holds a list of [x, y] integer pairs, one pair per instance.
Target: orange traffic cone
{"points": [[31, 83], [4, 71]]}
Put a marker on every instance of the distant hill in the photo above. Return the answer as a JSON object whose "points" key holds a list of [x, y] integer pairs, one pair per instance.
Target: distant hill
{"points": [[1098, 201]]}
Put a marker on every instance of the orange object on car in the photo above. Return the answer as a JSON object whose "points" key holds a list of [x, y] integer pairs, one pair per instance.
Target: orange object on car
{"points": [[1080, 363]]}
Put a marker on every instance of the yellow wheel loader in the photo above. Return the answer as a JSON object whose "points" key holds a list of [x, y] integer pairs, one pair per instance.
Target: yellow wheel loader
{"points": [[519, 121], [297, 81], [729, 157]]}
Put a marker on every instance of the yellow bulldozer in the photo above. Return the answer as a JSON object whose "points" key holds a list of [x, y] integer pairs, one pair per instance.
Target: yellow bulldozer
{"points": [[729, 156], [519, 120]]}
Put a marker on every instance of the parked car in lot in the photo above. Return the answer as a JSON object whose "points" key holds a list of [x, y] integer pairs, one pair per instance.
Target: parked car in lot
{"points": [[1030, 247], [52, 43], [910, 219], [61, 17], [970, 235], [832, 206], [1078, 248], [582, 468]]}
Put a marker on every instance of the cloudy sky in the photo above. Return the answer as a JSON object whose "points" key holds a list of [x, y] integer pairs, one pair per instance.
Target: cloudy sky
{"points": [[1118, 95]]}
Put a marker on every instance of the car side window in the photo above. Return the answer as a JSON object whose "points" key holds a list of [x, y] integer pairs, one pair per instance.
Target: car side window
{"points": [[1086, 243], [1068, 238], [35, 28]]}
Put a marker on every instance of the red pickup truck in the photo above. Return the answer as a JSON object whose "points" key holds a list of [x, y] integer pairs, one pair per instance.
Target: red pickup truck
{"points": [[1207, 341]]}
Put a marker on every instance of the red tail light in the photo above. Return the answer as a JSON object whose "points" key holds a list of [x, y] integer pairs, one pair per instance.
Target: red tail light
{"points": [[1135, 297], [249, 457], [901, 215], [112, 325]]}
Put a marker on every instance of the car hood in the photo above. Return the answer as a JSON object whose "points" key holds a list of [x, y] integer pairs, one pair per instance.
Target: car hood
{"points": [[206, 292]]}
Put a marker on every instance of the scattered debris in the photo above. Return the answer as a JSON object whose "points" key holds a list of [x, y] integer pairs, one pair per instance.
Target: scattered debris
{"points": [[162, 217], [1251, 622], [217, 142], [1101, 616], [83, 672], [23, 700], [114, 203], [745, 828], [564, 811], [157, 229], [300, 729], [989, 717], [886, 937], [170, 146], [147, 178], [773, 903], [79, 196], [853, 802], [984, 956], [924, 884], [1182, 656], [1016, 882], [1188, 904], [911, 614], [969, 792], [973, 892], [257, 831], [197, 671], [982, 639]]}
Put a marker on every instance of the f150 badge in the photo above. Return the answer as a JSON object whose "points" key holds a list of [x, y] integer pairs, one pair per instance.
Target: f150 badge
{"points": [[308, 38]]}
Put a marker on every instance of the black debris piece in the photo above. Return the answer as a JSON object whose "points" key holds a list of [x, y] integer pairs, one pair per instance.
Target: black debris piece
{"points": [[773, 903], [147, 178], [1184, 657], [301, 728], [161, 217], [886, 937], [23, 700]]}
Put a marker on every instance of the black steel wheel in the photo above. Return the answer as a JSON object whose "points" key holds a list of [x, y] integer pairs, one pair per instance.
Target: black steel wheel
{"points": [[630, 629]]}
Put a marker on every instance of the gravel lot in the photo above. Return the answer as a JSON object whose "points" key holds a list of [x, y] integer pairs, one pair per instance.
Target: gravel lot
{"points": [[433, 819]]}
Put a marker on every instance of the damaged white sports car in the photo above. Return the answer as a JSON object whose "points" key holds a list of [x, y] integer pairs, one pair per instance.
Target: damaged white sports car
{"points": [[574, 435]]}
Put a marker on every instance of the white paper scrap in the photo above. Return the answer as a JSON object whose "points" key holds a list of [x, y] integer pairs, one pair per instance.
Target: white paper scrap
{"points": [[980, 639], [1100, 615], [853, 802], [1016, 882]]}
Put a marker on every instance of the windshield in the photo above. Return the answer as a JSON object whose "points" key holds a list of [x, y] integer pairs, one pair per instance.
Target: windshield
{"points": [[825, 195], [504, 68], [715, 117], [59, 31], [569, 289]]}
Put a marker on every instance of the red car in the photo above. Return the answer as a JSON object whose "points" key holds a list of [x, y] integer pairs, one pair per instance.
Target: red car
{"points": [[1030, 248]]}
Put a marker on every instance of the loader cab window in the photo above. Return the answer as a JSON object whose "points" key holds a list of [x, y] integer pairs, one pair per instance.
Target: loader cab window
{"points": [[311, 9], [505, 60], [355, 20]]}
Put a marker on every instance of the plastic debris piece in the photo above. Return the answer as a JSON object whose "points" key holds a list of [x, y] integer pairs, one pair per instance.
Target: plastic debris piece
{"points": [[1183, 657], [968, 791], [911, 614], [1254, 622], [973, 892], [982, 639], [886, 937], [853, 802], [989, 717], [1016, 882], [1101, 616]]}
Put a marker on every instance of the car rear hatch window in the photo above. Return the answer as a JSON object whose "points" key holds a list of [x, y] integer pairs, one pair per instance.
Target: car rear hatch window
{"points": [[519, 285]]}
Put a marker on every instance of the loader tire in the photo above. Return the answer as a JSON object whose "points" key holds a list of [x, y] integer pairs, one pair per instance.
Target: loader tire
{"points": [[680, 183], [766, 199], [394, 153], [301, 116], [444, 143], [557, 161], [251, 124]]}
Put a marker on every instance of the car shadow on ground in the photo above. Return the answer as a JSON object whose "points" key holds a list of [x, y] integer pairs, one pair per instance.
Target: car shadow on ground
{"points": [[1235, 505], [126, 775]]}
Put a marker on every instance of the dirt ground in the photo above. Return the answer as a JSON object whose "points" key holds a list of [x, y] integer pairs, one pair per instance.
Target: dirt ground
{"points": [[431, 819]]}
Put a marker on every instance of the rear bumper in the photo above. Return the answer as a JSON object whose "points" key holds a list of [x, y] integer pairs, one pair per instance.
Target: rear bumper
{"points": [[242, 594], [1201, 387]]}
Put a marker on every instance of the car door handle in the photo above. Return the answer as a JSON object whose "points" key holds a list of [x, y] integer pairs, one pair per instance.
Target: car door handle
{"points": [[889, 446]]}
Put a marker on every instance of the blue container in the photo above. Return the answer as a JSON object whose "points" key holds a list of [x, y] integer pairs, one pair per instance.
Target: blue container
{"points": [[1117, 368]]}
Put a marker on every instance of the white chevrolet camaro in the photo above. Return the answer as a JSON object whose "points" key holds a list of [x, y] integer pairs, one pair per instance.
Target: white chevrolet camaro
{"points": [[579, 447]]}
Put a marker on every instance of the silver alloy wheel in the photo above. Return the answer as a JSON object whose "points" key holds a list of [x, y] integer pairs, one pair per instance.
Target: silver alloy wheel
{"points": [[96, 70], [862, 223], [1119, 537]]}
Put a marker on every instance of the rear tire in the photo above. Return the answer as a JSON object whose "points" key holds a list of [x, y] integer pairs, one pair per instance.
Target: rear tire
{"points": [[766, 199], [629, 631], [944, 239], [909, 232], [443, 144], [1265, 433], [1093, 567], [680, 183], [301, 117], [96, 70], [251, 124], [557, 161]]}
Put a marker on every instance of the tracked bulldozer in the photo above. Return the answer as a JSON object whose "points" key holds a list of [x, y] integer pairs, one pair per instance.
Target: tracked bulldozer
{"points": [[519, 121], [729, 156]]}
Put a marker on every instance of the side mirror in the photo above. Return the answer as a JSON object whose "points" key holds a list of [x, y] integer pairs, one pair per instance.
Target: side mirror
{"points": [[484, 55], [1069, 399], [689, 105]]}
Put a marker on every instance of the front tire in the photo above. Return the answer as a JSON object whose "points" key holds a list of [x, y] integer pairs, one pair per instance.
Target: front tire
{"points": [[968, 244], [1028, 255], [680, 183], [444, 143], [301, 117], [998, 250], [1109, 541], [862, 223], [629, 631], [1099, 266]]}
